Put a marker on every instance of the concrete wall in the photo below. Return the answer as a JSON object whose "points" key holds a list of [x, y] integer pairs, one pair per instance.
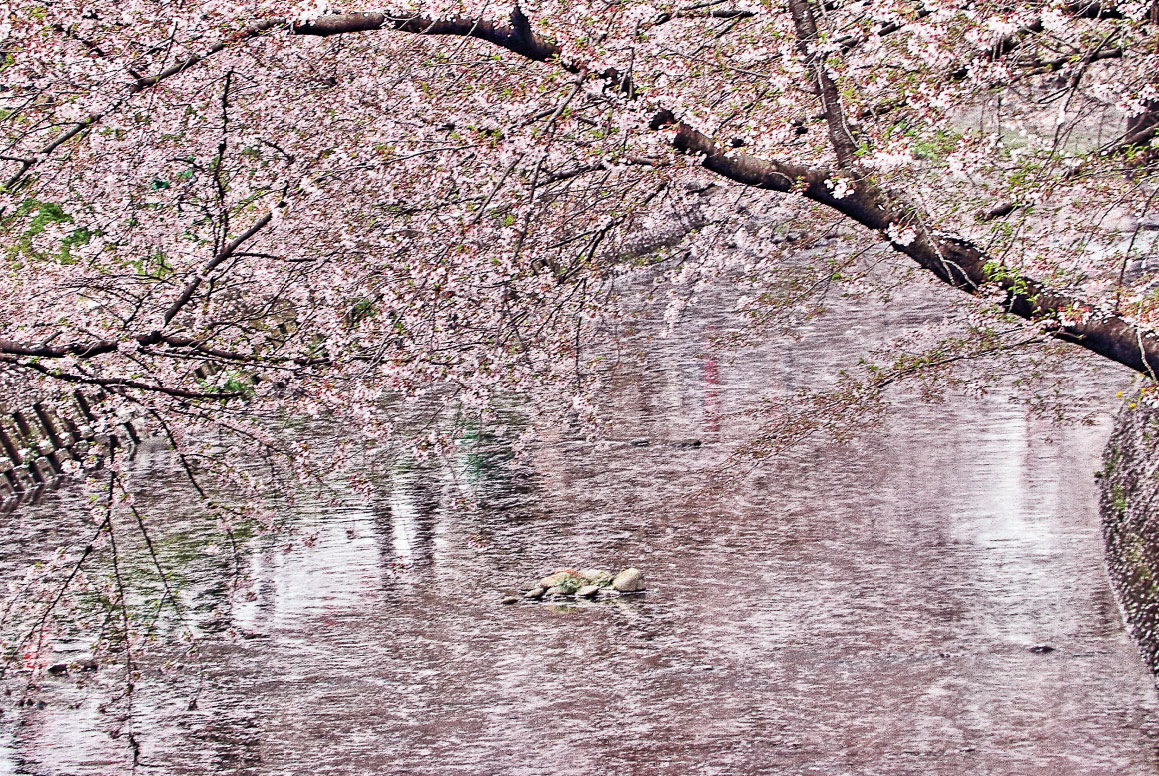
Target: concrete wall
{"points": [[1129, 503]]}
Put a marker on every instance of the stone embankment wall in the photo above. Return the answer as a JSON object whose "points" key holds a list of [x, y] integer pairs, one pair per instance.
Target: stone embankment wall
{"points": [[1129, 503]]}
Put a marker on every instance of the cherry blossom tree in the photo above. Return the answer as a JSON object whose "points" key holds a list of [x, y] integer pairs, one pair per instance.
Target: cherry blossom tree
{"points": [[320, 206], [222, 215]]}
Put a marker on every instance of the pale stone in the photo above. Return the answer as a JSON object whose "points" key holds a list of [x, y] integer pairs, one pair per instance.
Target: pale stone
{"points": [[629, 581], [596, 576]]}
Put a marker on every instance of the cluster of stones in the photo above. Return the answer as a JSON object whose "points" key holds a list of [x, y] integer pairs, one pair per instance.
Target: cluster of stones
{"points": [[588, 583]]}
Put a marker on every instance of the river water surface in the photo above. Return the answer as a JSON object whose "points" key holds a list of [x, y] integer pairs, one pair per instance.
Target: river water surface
{"points": [[863, 608]]}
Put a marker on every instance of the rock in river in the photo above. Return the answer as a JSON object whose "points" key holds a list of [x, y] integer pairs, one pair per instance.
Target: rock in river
{"points": [[557, 578], [584, 584], [596, 577], [629, 581]]}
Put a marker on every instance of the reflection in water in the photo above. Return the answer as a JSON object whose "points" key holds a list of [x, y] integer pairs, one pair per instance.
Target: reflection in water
{"points": [[403, 527], [861, 609], [712, 403]]}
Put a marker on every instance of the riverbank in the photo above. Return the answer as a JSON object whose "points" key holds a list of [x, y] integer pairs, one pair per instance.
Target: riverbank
{"points": [[1128, 499]]}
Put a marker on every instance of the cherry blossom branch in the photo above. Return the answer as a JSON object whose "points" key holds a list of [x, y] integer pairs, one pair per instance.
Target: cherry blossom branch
{"points": [[118, 382], [139, 85], [86, 350], [223, 255], [83, 351], [60, 593], [705, 10], [954, 261], [252, 31], [1005, 45], [514, 35], [807, 37], [1139, 136], [75, 349]]}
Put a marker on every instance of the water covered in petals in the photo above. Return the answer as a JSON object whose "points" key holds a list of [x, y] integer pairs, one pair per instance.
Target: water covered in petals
{"points": [[863, 608]]}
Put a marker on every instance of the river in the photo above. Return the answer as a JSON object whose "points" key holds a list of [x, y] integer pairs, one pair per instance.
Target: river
{"points": [[858, 608]]}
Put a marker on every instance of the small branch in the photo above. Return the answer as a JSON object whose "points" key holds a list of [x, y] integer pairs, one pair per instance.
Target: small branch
{"points": [[120, 382], [807, 36], [225, 253]]}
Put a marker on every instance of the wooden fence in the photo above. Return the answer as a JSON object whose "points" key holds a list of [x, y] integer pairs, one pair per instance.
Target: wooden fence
{"points": [[36, 442]]}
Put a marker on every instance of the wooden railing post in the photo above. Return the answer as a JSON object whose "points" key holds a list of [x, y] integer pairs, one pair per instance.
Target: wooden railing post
{"points": [[51, 432]]}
